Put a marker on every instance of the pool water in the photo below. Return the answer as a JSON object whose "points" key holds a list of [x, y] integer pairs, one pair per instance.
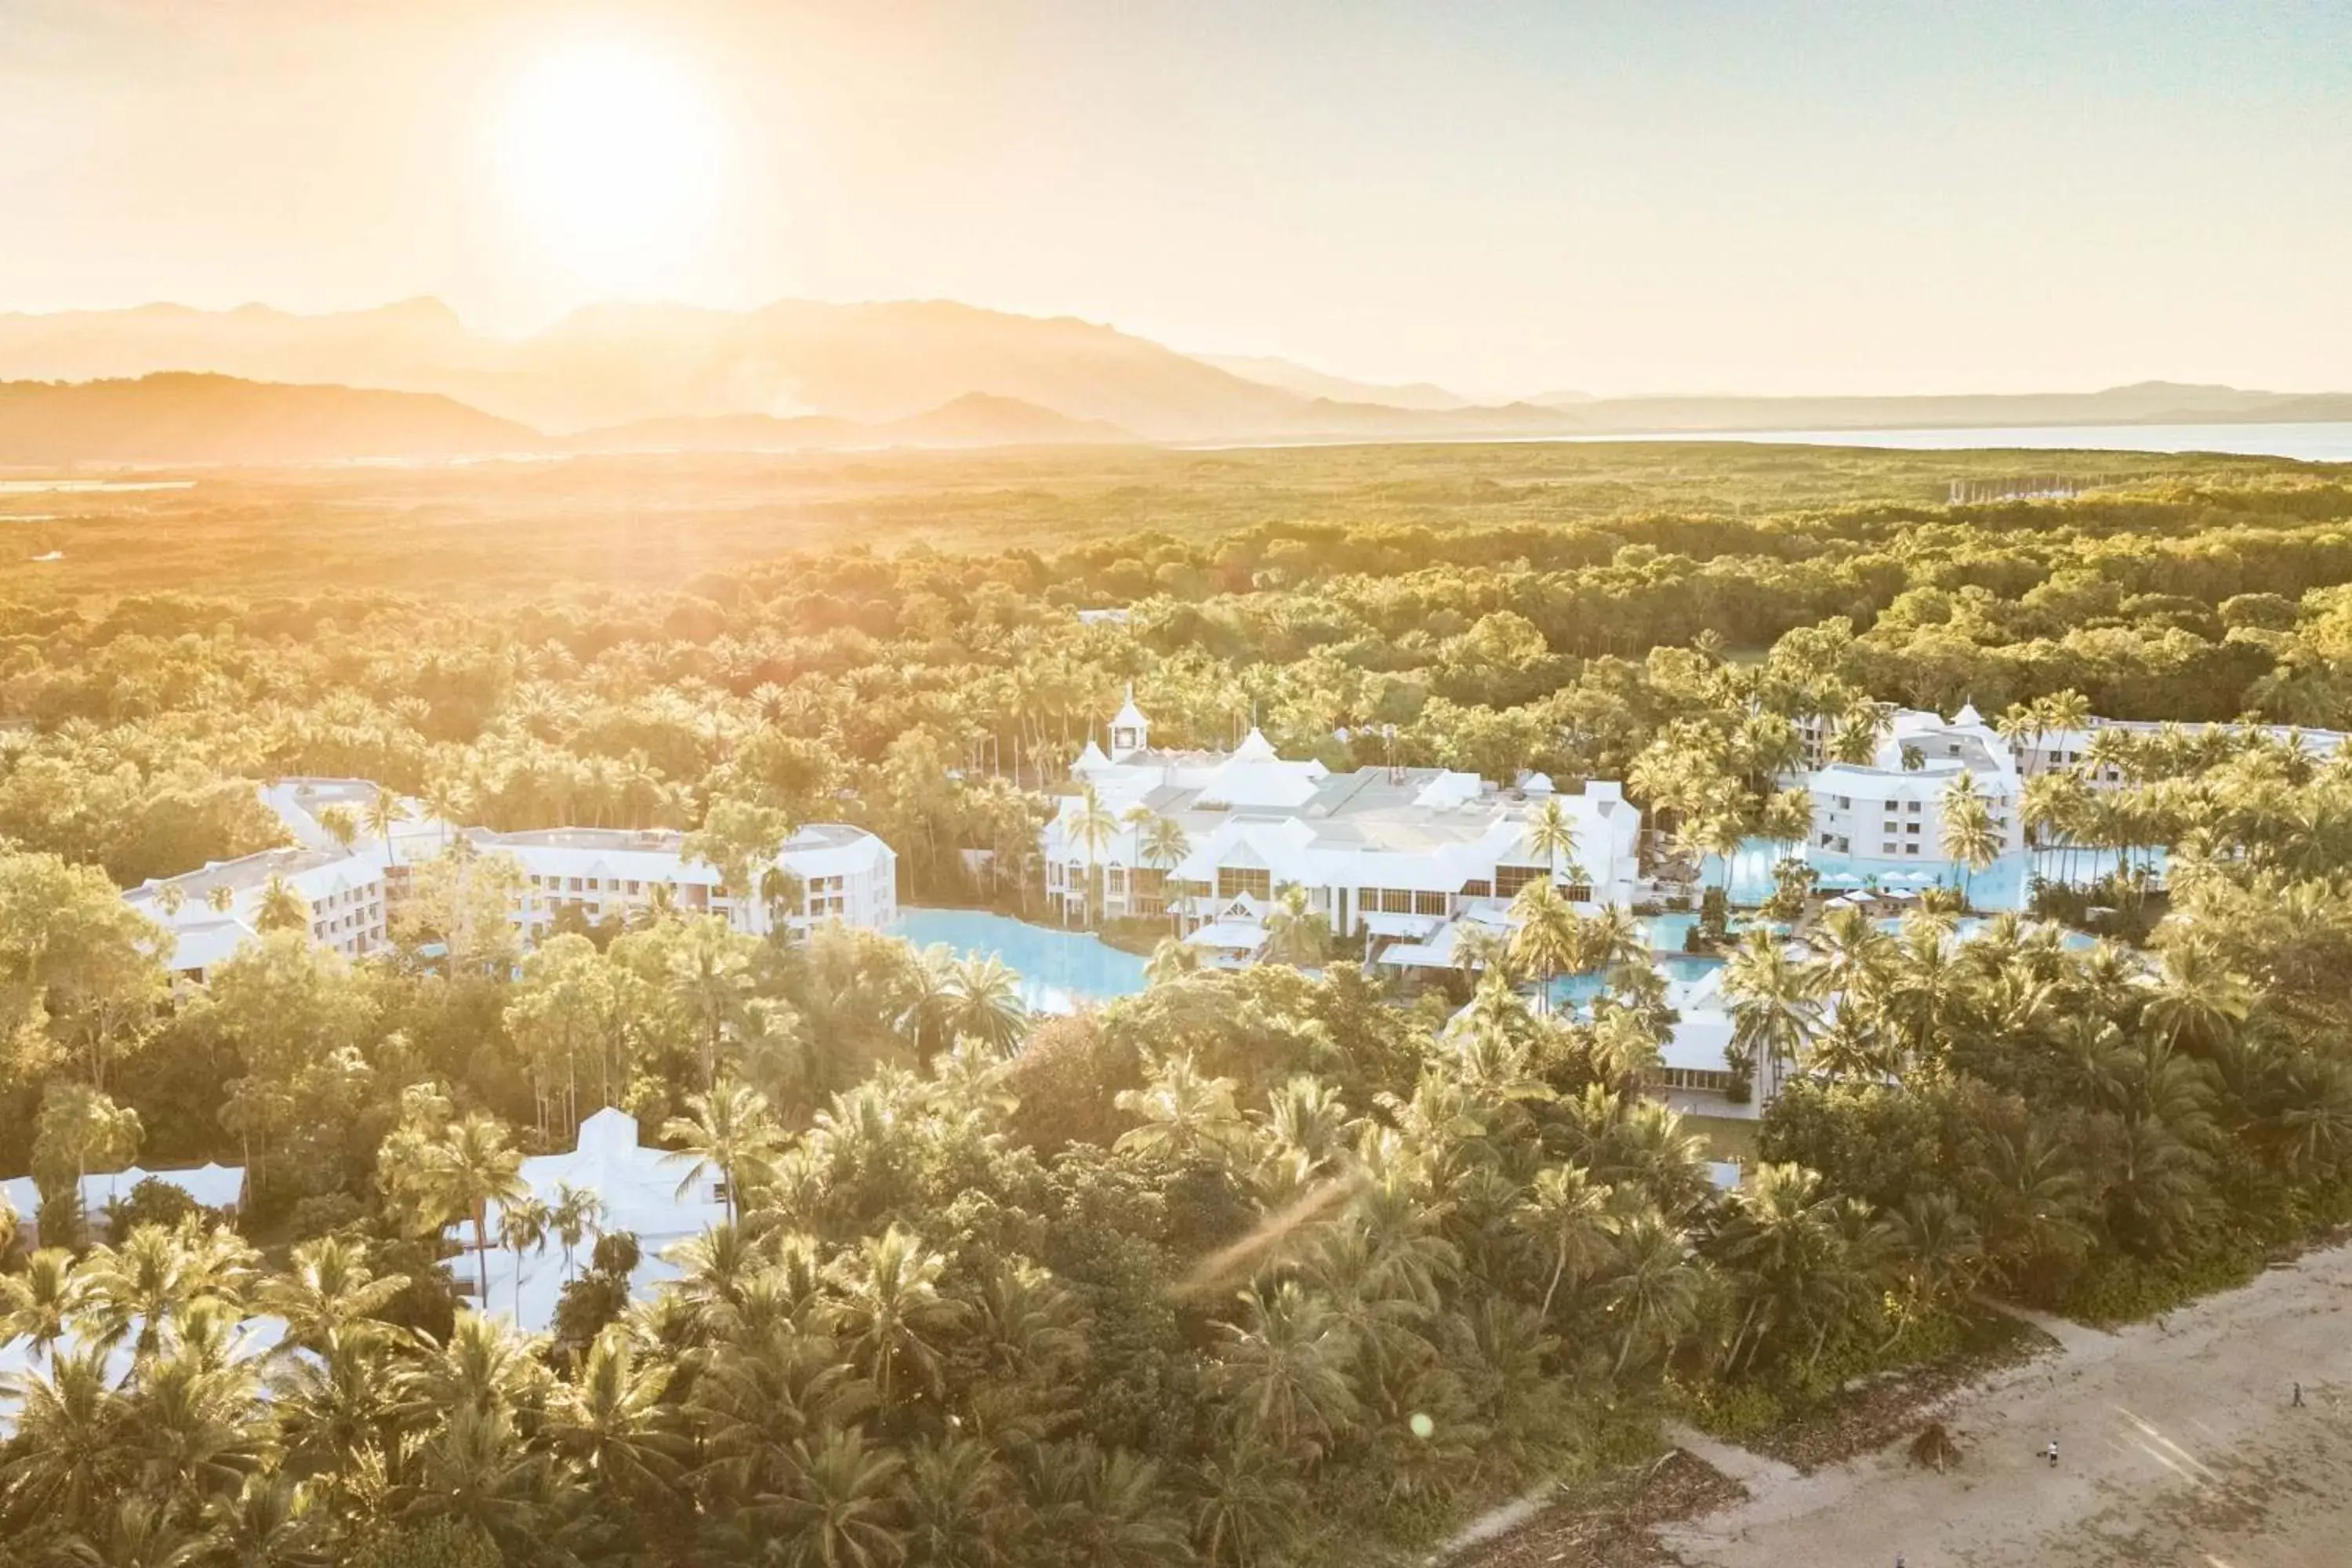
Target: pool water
{"points": [[1680, 968], [1060, 970], [2006, 884]]}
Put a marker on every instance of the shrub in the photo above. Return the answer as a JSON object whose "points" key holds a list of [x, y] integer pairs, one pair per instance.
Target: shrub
{"points": [[151, 1201]]}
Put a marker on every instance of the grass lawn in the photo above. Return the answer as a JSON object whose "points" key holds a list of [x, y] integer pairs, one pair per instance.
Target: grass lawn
{"points": [[1727, 1137]]}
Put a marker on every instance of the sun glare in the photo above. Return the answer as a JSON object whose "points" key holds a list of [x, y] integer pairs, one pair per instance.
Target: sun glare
{"points": [[612, 163]]}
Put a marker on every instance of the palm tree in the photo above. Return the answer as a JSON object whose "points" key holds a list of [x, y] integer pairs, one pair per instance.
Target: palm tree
{"points": [[1248, 1503], [170, 898], [2053, 809], [1855, 738], [1775, 1004], [1094, 829], [1787, 819], [1163, 847], [384, 812], [955, 1505], [1184, 1113], [1551, 836], [838, 1506], [147, 1286], [222, 897], [609, 1420], [1569, 1213], [136, 1532], [340, 825], [1546, 935], [984, 1002], [930, 999], [1295, 933], [330, 1288], [576, 1213], [38, 1304], [522, 1227], [1966, 834], [471, 1168], [1285, 1368], [2198, 1002], [67, 1455], [890, 1313], [709, 977], [729, 1131], [281, 908]]}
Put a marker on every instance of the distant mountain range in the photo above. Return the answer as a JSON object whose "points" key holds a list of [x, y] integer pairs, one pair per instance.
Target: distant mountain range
{"points": [[1267, 371], [412, 380], [181, 416]]}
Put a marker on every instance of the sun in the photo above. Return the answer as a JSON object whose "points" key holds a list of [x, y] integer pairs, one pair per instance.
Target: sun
{"points": [[611, 164]]}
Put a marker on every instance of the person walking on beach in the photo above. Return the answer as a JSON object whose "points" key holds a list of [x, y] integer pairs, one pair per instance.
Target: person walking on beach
{"points": [[2053, 1453], [2299, 1395]]}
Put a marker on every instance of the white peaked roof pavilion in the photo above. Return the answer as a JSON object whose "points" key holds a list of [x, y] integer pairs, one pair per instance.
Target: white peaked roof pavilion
{"points": [[648, 1192]]}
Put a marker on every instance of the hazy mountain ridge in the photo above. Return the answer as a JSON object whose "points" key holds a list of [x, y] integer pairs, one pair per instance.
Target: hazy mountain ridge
{"points": [[183, 417], [675, 378], [1288, 375], [192, 417]]}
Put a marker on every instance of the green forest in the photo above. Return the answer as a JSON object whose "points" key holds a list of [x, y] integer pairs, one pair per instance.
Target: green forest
{"points": [[1249, 1269]]}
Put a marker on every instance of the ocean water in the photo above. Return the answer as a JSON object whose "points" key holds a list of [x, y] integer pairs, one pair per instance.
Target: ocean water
{"points": [[2312, 443]]}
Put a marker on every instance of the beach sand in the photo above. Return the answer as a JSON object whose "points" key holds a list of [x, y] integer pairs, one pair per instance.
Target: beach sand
{"points": [[2178, 1444]]}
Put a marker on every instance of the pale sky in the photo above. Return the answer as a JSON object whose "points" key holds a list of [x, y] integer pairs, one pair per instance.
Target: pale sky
{"points": [[1758, 196]]}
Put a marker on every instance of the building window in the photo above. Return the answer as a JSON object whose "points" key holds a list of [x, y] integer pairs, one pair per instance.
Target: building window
{"points": [[1429, 903], [1234, 880], [1509, 879], [1577, 892], [1118, 879], [1479, 887], [1396, 900]]}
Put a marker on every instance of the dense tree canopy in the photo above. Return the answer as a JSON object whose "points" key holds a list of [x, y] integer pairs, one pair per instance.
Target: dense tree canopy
{"points": [[1239, 1267]]}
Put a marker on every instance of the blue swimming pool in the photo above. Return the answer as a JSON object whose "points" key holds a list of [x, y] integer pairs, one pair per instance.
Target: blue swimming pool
{"points": [[1679, 967], [2006, 884], [1060, 970]]}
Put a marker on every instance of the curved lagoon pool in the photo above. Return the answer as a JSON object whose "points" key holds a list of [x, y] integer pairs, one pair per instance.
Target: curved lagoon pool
{"points": [[1060, 970]]}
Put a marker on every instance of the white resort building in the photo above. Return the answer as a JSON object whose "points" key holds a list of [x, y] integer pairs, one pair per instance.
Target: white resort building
{"points": [[1892, 807], [843, 873], [2043, 751], [1396, 855], [655, 1194], [211, 1186]]}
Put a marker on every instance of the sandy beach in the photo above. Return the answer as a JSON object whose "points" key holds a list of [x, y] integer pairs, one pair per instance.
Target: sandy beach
{"points": [[2179, 1442]]}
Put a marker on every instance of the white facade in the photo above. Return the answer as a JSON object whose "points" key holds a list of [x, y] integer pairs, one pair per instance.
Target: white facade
{"points": [[654, 1195], [2048, 750], [845, 873], [210, 1186], [1892, 809], [1389, 852]]}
